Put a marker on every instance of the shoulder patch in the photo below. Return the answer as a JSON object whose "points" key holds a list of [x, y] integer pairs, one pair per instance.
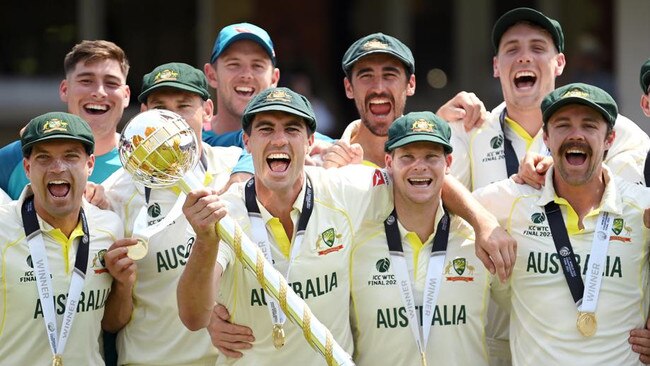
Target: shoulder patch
{"points": [[380, 177]]}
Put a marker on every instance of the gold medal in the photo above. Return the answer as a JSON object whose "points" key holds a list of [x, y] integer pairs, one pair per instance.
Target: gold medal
{"points": [[278, 336], [587, 323], [57, 360], [138, 251], [424, 358]]}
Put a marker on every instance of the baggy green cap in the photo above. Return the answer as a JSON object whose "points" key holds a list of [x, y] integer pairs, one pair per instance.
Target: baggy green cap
{"points": [[416, 127], [378, 43], [514, 16], [579, 93], [57, 125], [283, 100], [175, 75]]}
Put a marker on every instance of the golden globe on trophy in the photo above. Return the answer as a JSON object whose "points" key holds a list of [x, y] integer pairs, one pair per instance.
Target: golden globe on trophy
{"points": [[159, 149]]}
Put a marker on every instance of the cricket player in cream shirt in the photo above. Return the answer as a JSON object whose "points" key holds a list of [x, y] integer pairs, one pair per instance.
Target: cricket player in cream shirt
{"points": [[397, 317], [546, 324], [328, 205], [155, 335]]}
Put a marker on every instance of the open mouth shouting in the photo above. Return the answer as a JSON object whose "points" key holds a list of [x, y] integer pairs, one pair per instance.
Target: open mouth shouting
{"points": [[576, 154], [58, 188], [278, 162], [245, 91], [96, 109], [420, 182], [380, 106], [525, 79]]}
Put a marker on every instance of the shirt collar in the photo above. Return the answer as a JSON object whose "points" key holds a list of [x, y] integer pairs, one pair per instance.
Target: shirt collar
{"points": [[611, 201]]}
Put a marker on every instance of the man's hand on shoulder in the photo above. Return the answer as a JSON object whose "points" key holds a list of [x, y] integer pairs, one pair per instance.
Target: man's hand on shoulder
{"points": [[532, 170], [466, 108], [342, 153]]}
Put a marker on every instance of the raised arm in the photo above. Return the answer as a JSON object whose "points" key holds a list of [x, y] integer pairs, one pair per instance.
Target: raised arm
{"points": [[197, 287]]}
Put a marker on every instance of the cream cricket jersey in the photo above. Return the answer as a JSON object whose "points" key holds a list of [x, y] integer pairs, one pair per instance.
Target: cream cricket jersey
{"points": [[543, 318], [479, 157], [320, 270], [382, 334], [155, 334], [23, 338]]}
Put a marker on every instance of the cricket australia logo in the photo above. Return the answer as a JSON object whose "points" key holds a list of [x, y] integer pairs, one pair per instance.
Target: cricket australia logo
{"points": [[576, 93], [462, 270], [619, 227], [98, 263], [330, 238], [166, 75], [422, 125], [374, 44], [55, 124], [278, 95]]}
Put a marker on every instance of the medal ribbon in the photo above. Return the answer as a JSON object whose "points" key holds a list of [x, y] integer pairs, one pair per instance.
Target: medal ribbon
{"points": [[37, 250], [260, 236], [512, 162], [433, 279], [585, 297]]}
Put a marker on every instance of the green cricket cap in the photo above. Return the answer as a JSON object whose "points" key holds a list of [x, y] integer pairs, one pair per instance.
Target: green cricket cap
{"points": [[283, 100], [378, 43], [175, 75], [579, 93], [517, 15], [416, 127], [57, 125]]}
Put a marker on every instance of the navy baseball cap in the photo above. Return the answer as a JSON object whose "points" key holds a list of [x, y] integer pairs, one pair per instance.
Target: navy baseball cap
{"points": [[517, 15], [236, 32]]}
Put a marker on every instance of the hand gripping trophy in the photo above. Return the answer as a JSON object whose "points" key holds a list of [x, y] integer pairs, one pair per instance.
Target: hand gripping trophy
{"points": [[160, 150]]}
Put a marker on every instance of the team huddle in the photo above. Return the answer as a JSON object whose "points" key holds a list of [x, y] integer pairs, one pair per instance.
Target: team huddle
{"points": [[516, 236]]}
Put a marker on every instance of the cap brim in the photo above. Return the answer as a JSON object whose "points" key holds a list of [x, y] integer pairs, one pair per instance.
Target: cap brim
{"points": [[281, 108], [142, 98], [240, 36], [420, 138], [84, 141], [548, 113]]}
